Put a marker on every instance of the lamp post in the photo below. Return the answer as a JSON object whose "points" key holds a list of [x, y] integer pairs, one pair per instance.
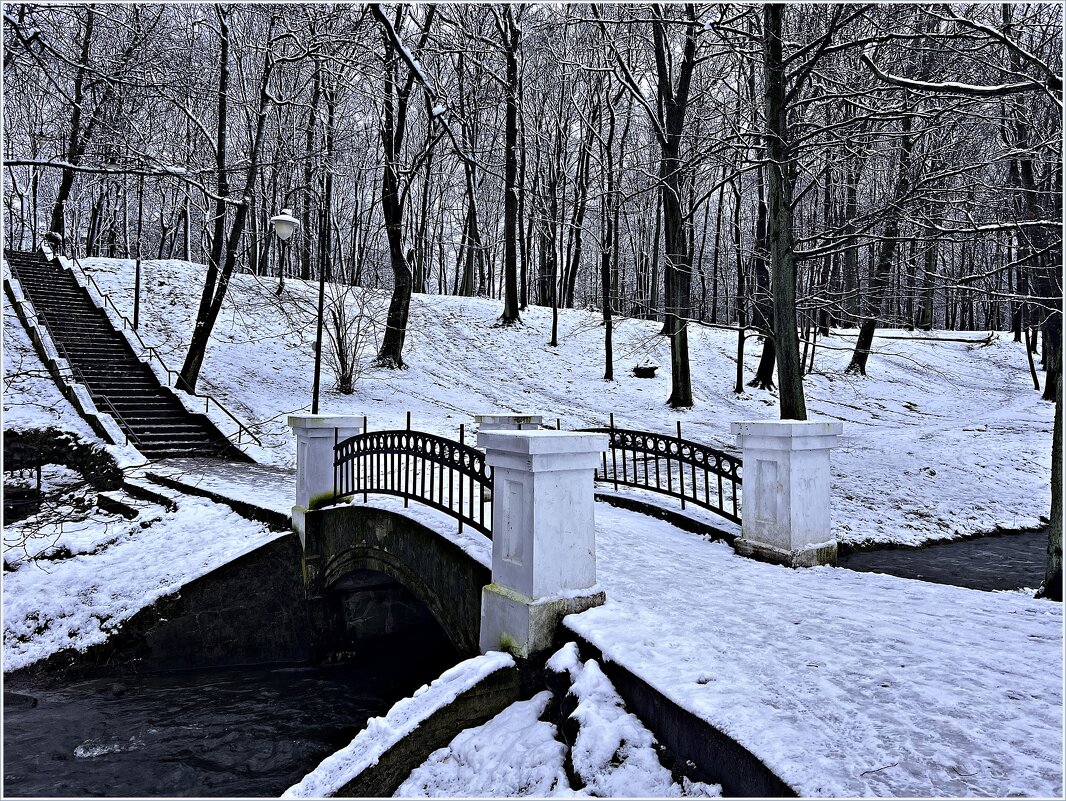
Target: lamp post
{"points": [[284, 225]]}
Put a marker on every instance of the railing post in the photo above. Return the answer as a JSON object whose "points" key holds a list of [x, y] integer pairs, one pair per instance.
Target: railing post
{"points": [[614, 457], [786, 485], [543, 535], [680, 469], [315, 438]]}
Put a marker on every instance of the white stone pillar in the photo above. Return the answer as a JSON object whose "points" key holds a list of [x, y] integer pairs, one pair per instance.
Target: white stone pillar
{"points": [[315, 437], [786, 487], [501, 421], [543, 535]]}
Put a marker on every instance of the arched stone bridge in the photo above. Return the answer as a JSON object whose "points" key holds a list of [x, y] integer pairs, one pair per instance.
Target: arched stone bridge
{"points": [[342, 541]]}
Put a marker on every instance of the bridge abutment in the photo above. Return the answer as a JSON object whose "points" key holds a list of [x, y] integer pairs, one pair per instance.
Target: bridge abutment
{"points": [[543, 535]]}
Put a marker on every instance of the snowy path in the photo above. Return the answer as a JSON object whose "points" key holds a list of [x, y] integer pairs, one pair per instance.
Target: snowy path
{"points": [[844, 684]]}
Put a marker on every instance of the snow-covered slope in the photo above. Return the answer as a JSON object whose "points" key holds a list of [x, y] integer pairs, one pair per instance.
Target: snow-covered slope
{"points": [[942, 439]]}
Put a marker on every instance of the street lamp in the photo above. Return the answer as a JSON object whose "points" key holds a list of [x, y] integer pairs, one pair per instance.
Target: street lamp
{"points": [[284, 225]]}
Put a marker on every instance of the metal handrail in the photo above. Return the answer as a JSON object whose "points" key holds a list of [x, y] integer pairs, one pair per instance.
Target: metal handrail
{"points": [[451, 477], [150, 351], [688, 468], [127, 430]]}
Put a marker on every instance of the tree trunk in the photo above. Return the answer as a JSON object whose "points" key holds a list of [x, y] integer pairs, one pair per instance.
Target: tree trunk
{"points": [[308, 178], [512, 40], [850, 304], [1052, 586], [190, 370], [889, 239], [391, 353], [608, 242], [75, 143], [779, 211]]}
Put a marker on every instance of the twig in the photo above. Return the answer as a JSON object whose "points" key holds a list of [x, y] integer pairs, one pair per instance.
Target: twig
{"points": [[885, 767]]}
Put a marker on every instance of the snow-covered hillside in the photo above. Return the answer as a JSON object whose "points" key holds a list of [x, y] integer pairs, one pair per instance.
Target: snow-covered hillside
{"points": [[943, 439]]}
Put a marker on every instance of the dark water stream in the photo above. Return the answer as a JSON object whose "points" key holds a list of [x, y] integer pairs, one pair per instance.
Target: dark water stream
{"points": [[1008, 561], [243, 732]]}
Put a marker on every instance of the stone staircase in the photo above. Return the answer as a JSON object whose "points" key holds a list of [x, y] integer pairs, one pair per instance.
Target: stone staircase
{"points": [[119, 383]]}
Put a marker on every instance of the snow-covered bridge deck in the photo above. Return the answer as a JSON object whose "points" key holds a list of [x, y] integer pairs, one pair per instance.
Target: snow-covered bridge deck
{"points": [[842, 683]]}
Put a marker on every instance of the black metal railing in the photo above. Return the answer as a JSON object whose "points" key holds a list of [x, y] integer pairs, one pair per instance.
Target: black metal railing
{"points": [[102, 402], [670, 465], [451, 477]]}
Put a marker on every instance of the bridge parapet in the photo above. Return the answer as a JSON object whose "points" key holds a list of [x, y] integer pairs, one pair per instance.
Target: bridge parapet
{"points": [[544, 535], [786, 491], [316, 434]]}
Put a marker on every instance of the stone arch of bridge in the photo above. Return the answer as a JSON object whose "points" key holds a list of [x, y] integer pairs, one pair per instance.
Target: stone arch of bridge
{"points": [[448, 581], [372, 558]]}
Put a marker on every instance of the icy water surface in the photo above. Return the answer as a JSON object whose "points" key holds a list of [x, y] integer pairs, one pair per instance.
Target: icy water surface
{"points": [[1005, 562], [245, 732]]}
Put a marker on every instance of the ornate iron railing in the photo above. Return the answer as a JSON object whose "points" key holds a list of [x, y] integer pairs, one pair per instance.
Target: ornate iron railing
{"points": [[669, 465], [451, 477]]}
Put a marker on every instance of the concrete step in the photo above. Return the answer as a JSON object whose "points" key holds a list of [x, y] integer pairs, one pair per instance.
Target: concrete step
{"points": [[275, 520], [115, 502], [103, 355], [130, 401], [176, 438], [163, 417], [109, 383], [128, 504], [154, 493], [150, 411], [115, 377], [116, 380]]}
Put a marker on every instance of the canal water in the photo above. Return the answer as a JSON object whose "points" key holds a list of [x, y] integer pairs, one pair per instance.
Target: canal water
{"points": [[239, 732], [1008, 561]]}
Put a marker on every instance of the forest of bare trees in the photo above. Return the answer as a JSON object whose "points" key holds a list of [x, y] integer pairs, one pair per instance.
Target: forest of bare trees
{"points": [[789, 169]]}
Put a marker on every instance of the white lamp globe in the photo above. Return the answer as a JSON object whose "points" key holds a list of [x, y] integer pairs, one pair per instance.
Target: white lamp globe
{"points": [[284, 224]]}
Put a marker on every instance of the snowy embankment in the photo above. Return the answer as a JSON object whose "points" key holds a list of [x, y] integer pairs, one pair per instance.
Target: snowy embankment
{"points": [[942, 439], [72, 582]]}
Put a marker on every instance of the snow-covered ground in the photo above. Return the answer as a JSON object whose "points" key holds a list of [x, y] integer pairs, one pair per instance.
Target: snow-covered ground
{"points": [[843, 683], [514, 755], [943, 439], [613, 753], [93, 572], [517, 753]]}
